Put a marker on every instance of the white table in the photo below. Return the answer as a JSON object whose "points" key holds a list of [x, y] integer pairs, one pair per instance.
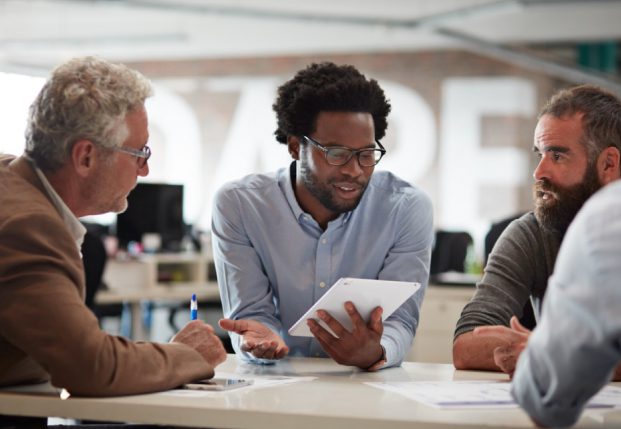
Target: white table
{"points": [[336, 399]]}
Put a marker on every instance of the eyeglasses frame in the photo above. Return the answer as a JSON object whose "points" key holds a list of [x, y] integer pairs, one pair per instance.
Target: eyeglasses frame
{"points": [[352, 152], [144, 153]]}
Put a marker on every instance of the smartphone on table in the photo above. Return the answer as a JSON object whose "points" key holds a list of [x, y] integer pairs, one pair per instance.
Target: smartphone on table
{"points": [[217, 384]]}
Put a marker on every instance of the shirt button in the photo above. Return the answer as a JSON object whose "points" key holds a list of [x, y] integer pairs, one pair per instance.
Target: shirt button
{"points": [[322, 284], [324, 241]]}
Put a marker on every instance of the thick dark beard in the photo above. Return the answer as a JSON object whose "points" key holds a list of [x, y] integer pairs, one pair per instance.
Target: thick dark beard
{"points": [[323, 193], [558, 216]]}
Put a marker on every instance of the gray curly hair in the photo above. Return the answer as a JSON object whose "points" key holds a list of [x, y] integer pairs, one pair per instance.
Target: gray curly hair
{"points": [[85, 98]]}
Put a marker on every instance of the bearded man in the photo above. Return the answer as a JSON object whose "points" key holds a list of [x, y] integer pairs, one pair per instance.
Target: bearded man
{"points": [[281, 240], [577, 141]]}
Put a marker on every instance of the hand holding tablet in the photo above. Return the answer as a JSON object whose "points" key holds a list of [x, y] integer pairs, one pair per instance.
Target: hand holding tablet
{"points": [[365, 294]]}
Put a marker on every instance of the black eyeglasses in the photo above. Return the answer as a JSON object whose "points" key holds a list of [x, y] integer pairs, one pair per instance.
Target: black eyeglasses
{"points": [[143, 154], [338, 155]]}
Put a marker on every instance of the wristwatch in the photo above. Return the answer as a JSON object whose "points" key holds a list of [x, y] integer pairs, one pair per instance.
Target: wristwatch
{"points": [[380, 363]]}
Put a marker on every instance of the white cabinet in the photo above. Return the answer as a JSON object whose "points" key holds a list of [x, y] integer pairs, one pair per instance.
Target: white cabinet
{"points": [[163, 278], [157, 270], [439, 314]]}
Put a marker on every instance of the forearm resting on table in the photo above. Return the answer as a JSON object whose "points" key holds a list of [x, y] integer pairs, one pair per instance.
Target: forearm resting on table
{"points": [[472, 352]]}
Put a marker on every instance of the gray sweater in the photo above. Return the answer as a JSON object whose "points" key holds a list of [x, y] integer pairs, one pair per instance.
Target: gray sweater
{"points": [[518, 268]]}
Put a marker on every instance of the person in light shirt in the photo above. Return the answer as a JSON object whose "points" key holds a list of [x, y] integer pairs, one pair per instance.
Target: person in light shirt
{"points": [[282, 239], [574, 350]]}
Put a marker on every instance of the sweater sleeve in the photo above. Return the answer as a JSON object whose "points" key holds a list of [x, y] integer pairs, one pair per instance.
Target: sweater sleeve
{"points": [[509, 278]]}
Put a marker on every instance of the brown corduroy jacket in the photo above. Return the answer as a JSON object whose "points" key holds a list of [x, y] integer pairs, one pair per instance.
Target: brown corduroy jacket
{"points": [[46, 331]]}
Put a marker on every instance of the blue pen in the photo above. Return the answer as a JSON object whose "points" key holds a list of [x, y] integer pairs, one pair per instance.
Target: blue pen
{"points": [[193, 307]]}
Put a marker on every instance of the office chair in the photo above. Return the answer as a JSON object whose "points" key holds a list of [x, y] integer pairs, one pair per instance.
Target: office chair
{"points": [[449, 251], [94, 260], [495, 231]]}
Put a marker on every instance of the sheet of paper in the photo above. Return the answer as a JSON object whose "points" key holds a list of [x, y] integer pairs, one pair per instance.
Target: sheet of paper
{"points": [[477, 394]]}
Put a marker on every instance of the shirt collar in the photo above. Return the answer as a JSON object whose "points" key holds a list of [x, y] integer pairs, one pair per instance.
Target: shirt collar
{"points": [[76, 229], [286, 183]]}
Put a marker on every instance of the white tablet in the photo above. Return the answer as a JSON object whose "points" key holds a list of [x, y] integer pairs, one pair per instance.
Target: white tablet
{"points": [[366, 294]]}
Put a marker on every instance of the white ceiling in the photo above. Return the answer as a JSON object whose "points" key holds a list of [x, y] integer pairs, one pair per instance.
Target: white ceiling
{"points": [[37, 34]]}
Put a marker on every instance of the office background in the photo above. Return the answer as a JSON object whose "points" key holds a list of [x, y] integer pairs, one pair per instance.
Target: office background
{"points": [[466, 79]]}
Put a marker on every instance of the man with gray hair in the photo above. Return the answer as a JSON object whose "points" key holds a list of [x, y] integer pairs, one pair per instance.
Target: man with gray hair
{"points": [[578, 143], [86, 143]]}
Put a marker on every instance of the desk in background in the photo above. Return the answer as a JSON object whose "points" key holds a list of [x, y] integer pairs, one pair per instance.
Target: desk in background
{"points": [[163, 278], [205, 293], [336, 399]]}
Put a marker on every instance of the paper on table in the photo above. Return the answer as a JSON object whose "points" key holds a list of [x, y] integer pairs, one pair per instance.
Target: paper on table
{"points": [[478, 394]]}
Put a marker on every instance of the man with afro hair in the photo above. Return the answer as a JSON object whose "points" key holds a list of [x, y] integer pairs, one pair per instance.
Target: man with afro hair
{"points": [[281, 239]]}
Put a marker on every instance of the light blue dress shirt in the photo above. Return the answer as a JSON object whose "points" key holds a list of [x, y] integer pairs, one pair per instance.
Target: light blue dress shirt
{"points": [[577, 344], [273, 260]]}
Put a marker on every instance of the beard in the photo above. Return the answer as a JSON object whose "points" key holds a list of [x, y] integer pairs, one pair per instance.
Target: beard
{"points": [[325, 193], [559, 210]]}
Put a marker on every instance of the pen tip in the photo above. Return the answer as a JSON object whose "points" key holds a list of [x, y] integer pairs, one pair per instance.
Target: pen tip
{"points": [[193, 297]]}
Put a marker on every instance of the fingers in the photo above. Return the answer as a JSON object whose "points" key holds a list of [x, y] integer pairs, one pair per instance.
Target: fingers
{"points": [[334, 324], [327, 341], [517, 326], [502, 333], [191, 331], [375, 324], [265, 350], [318, 331], [199, 324], [214, 350], [201, 337], [356, 348], [357, 320], [281, 352], [237, 326], [492, 331], [505, 358]]}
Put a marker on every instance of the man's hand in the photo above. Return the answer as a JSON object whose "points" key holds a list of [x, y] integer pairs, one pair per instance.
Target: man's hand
{"points": [[258, 339], [515, 339], [201, 337], [361, 347]]}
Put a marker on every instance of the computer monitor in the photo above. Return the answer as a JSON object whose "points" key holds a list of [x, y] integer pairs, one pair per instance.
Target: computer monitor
{"points": [[153, 208]]}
